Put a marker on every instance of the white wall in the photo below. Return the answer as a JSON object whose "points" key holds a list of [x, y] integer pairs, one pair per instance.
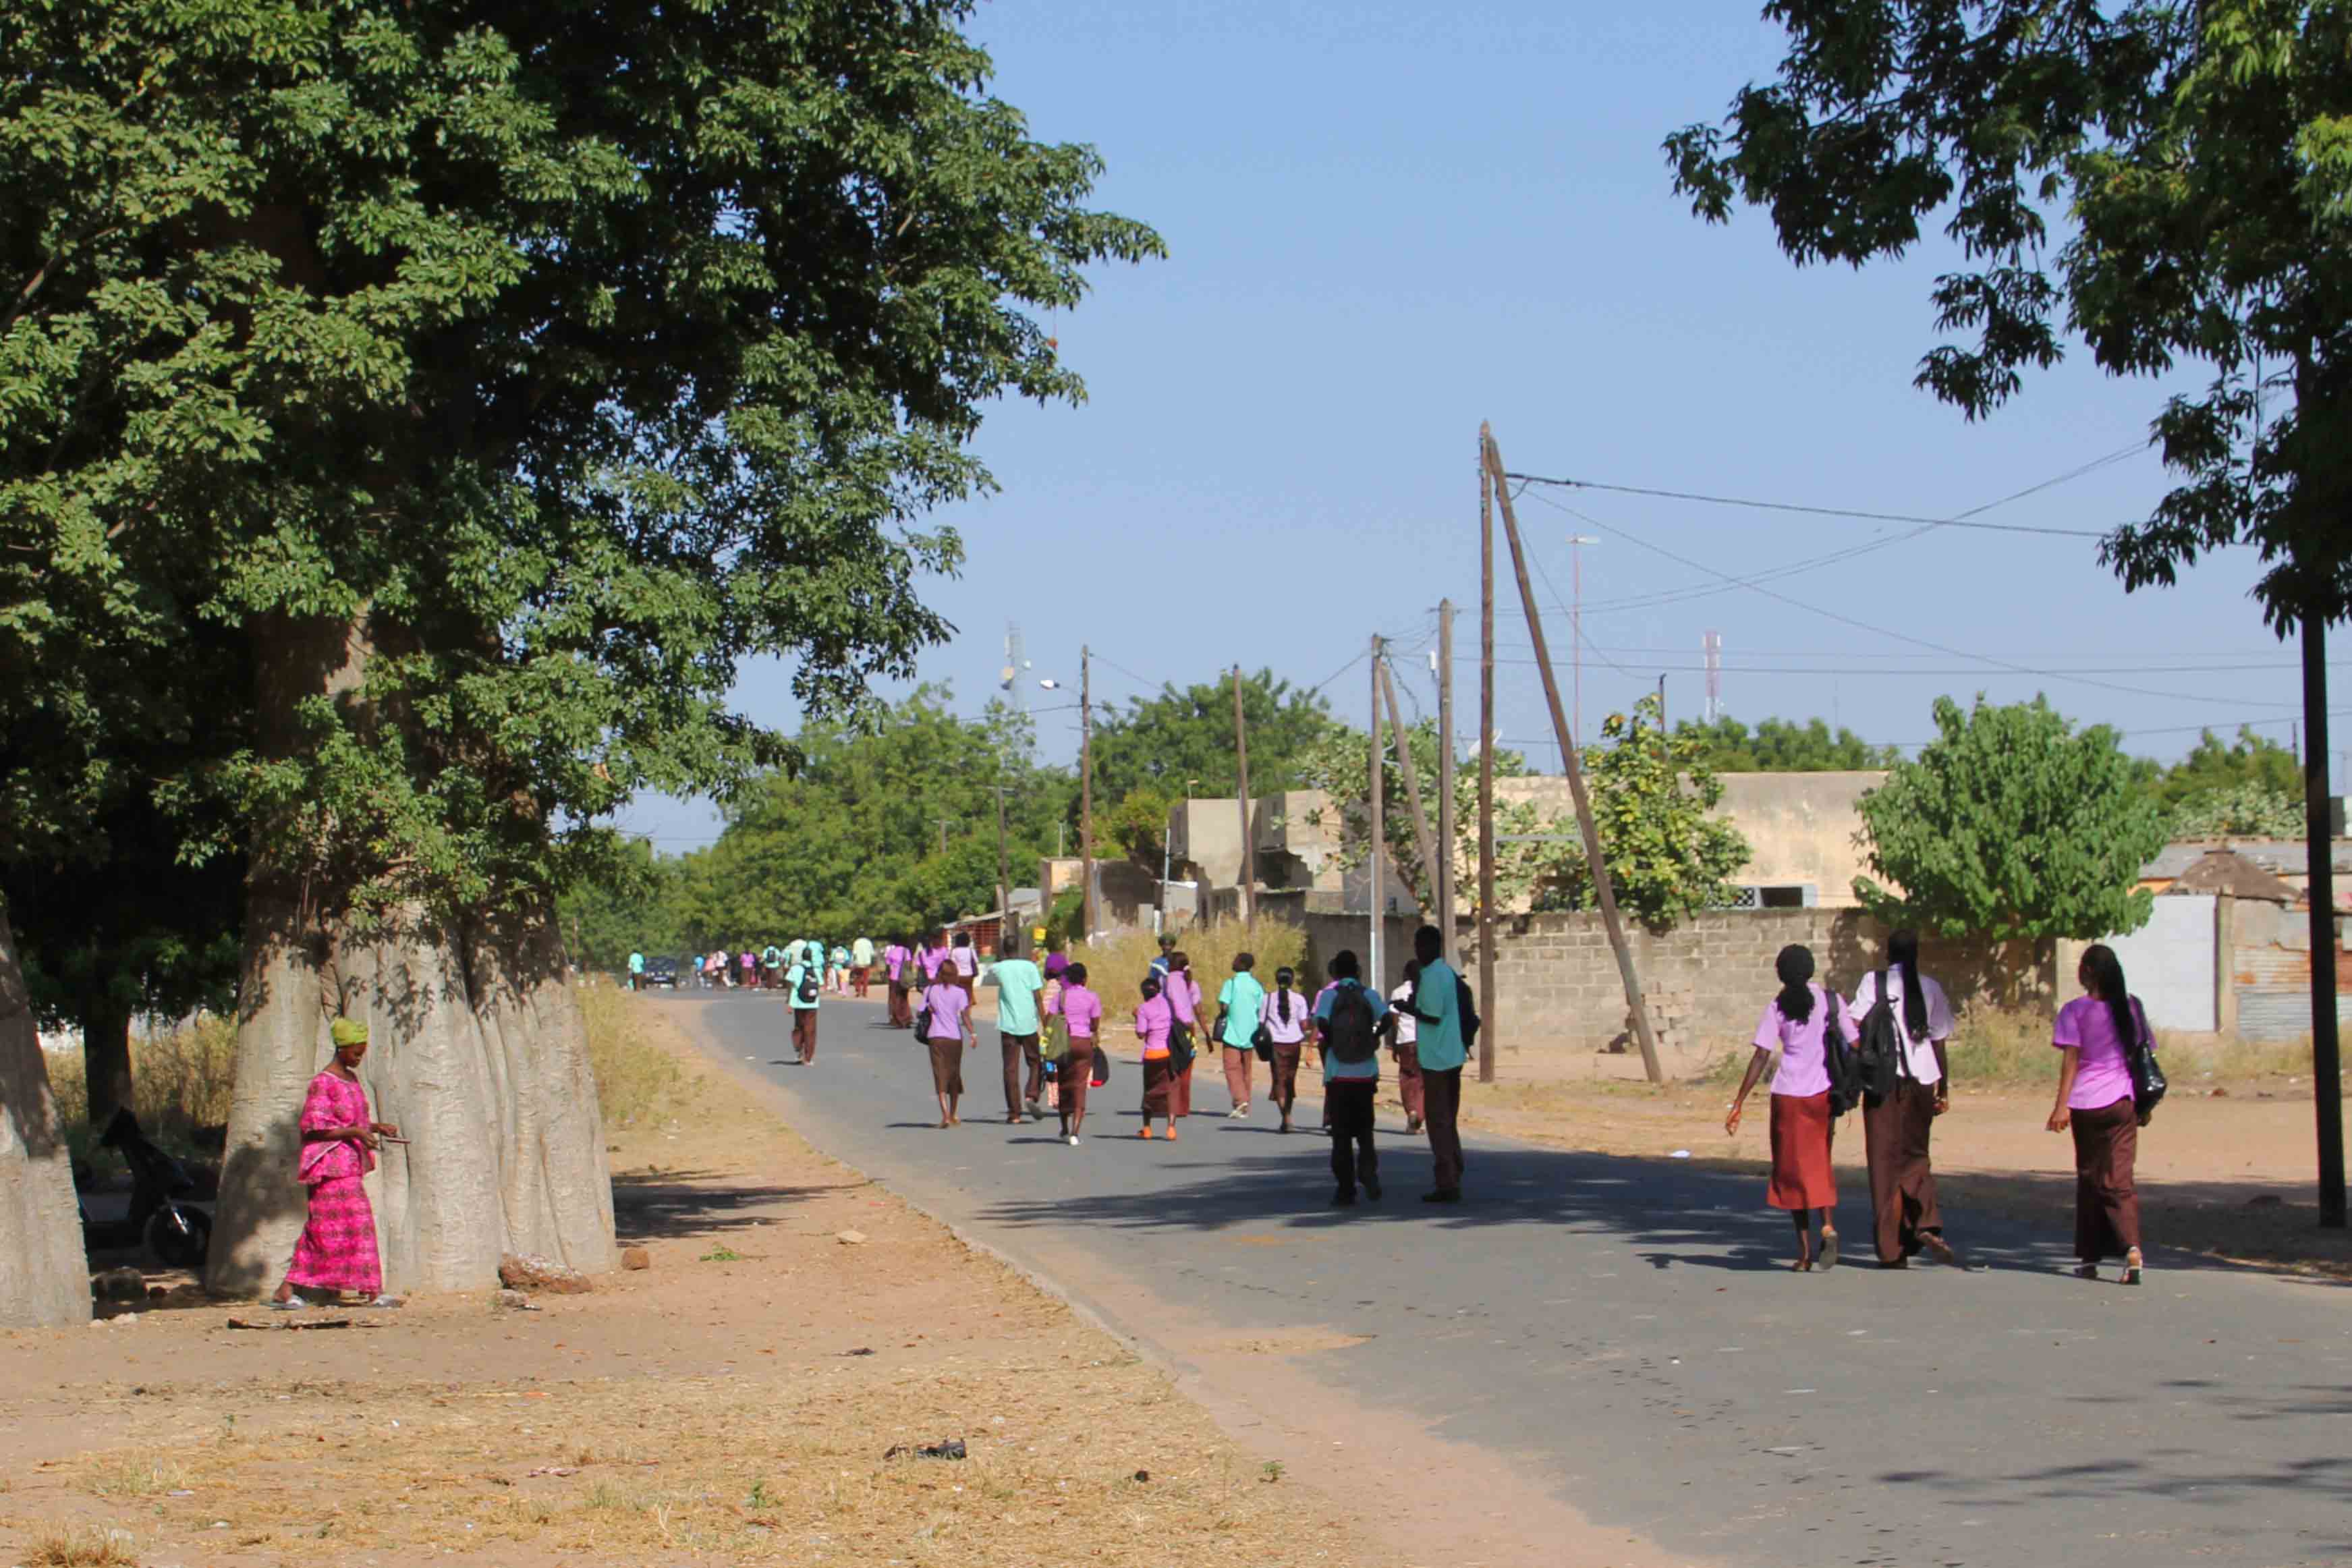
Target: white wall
{"points": [[2169, 962]]}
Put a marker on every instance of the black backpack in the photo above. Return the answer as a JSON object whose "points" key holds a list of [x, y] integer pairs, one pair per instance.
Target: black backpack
{"points": [[1841, 1060], [807, 992], [1351, 1035], [1466, 1008], [1879, 1057]]}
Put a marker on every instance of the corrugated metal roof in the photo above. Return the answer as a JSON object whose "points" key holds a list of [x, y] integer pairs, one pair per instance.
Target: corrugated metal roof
{"points": [[2280, 856]]}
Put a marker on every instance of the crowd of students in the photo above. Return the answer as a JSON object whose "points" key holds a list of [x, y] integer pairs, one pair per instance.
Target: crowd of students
{"points": [[2099, 1102]]}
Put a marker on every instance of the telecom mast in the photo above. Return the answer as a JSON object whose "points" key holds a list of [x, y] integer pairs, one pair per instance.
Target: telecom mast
{"points": [[1714, 646]]}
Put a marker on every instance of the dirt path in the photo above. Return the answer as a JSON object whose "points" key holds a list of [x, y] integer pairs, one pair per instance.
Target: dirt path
{"points": [[734, 1403]]}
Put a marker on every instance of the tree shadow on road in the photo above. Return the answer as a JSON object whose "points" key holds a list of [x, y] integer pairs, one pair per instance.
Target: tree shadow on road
{"points": [[1675, 1214], [664, 1205]]}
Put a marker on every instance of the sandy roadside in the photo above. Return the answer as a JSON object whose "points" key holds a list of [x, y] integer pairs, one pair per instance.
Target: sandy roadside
{"points": [[732, 1403]]}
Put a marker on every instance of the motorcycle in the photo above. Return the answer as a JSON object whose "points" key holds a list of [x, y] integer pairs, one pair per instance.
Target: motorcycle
{"points": [[178, 1233]]}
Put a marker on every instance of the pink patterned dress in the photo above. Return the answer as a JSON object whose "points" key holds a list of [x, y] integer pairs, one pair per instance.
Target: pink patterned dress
{"points": [[337, 1249]]}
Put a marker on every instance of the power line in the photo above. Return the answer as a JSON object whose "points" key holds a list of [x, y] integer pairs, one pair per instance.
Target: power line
{"points": [[1881, 670]]}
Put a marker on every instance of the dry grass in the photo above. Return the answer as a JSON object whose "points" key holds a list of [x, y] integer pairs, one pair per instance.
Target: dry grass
{"points": [[133, 1475], [636, 1080], [180, 1082], [81, 1549], [1117, 966]]}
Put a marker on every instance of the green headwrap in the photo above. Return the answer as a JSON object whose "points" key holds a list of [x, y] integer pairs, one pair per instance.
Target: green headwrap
{"points": [[348, 1032]]}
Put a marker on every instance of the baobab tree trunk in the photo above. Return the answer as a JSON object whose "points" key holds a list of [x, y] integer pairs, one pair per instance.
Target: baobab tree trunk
{"points": [[106, 1054], [44, 1273], [477, 1053]]}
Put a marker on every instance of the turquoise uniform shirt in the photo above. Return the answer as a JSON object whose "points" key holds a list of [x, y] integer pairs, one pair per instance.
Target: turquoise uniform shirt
{"points": [[1242, 998], [1440, 998], [1018, 980]]}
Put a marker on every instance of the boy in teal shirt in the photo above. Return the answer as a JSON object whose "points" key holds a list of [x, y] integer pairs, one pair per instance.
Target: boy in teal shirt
{"points": [[1017, 981], [1240, 1004]]}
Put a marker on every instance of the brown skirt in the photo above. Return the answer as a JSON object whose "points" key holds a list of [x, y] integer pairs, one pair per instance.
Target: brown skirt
{"points": [[2106, 1201], [1284, 1072], [1077, 1066], [1156, 1080], [1902, 1183], [1802, 1130], [947, 1064]]}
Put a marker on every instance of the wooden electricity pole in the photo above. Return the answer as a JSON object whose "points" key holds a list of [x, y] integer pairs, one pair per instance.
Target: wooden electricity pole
{"points": [[1445, 778], [1378, 832], [1003, 877], [1087, 789], [1427, 851], [1604, 894], [1242, 794], [1486, 1000], [2327, 1076]]}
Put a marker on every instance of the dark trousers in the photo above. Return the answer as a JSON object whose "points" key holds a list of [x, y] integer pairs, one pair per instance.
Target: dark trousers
{"points": [[1353, 1158], [1903, 1207], [2106, 1197], [1441, 1094], [804, 1034], [1019, 1048], [902, 1016]]}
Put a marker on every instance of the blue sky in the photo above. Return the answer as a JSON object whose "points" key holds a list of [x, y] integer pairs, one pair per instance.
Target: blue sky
{"points": [[1389, 221]]}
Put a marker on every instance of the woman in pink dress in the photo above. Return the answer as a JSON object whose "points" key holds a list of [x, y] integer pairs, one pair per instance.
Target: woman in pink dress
{"points": [[336, 1252]]}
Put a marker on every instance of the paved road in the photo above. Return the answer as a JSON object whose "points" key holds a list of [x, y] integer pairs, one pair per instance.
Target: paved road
{"points": [[1623, 1331]]}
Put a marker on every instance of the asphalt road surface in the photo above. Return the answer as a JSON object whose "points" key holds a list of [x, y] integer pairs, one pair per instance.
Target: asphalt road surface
{"points": [[1625, 1333]]}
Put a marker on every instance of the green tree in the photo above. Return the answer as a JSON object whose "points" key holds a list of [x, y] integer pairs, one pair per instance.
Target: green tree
{"points": [[1339, 765], [1782, 746], [1652, 793], [2214, 766], [499, 381], [2010, 824], [1180, 739], [2201, 155], [2238, 811]]}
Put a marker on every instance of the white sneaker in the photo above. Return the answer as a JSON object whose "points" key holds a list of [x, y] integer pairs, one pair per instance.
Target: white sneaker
{"points": [[1237, 1113], [1073, 1139]]}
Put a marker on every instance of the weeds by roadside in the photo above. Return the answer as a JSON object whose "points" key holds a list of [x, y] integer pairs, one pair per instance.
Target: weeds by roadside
{"points": [[1117, 966], [635, 1079], [180, 1083], [82, 1549]]}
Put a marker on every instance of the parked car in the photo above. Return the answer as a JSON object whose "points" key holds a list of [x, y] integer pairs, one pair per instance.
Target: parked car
{"points": [[661, 972]]}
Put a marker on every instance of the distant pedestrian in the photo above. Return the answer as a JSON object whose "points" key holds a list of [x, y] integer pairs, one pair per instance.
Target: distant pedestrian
{"points": [[772, 967], [1183, 993], [945, 1025], [964, 963], [1057, 960], [898, 971], [1904, 1216], [1405, 1046], [1284, 1019], [751, 962], [839, 959], [801, 988], [637, 970], [1159, 965], [2094, 1102], [1441, 1047], [1018, 980], [1081, 1012], [1351, 1017], [1797, 1022], [1154, 1021], [1240, 1003], [337, 1249], [932, 957], [861, 965]]}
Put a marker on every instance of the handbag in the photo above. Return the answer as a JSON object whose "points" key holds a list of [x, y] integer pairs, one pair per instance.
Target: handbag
{"points": [[1058, 1040], [1262, 1043], [1101, 1075], [2147, 1073]]}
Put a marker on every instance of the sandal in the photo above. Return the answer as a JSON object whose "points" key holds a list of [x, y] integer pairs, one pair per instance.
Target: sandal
{"points": [[2132, 1266], [1829, 1248], [2085, 1271]]}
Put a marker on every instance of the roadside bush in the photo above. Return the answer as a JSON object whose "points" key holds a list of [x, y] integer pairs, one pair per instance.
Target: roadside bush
{"points": [[1117, 966]]}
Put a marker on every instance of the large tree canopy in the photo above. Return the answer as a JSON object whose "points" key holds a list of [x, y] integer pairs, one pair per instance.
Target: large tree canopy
{"points": [[1781, 746], [1180, 741], [2197, 157]]}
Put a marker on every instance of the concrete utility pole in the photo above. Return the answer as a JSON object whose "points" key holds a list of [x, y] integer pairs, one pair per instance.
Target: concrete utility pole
{"points": [[1379, 831], [1603, 893], [1086, 787], [1487, 1004], [1242, 794], [2326, 1069], [1004, 872], [1445, 776]]}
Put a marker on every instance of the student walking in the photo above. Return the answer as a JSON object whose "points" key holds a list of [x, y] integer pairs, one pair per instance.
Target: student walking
{"points": [[1404, 1045], [1159, 965], [336, 1252], [1442, 1047], [1351, 1017], [1081, 1015], [1284, 1019], [2095, 1103], [1183, 996], [801, 988], [1905, 1217], [945, 1027], [1017, 982], [636, 971], [898, 978], [963, 963], [1240, 1002], [1796, 1021], [1154, 1020], [861, 965]]}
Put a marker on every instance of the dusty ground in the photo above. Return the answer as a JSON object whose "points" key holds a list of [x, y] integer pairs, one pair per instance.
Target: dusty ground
{"points": [[2228, 1173], [733, 1404]]}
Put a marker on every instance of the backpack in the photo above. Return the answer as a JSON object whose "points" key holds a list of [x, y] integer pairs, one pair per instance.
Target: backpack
{"points": [[1879, 1057], [1465, 1008], [1842, 1063], [1351, 1033], [807, 992]]}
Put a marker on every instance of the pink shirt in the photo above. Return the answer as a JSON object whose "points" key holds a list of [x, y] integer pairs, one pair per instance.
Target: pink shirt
{"points": [[894, 959], [965, 960], [1183, 995], [1081, 1009], [2104, 1077], [1152, 1022], [947, 1004], [333, 1101], [1802, 1070], [930, 957], [1282, 1031]]}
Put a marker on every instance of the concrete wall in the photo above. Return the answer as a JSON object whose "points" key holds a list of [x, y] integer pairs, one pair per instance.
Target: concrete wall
{"points": [[1204, 838], [1558, 992]]}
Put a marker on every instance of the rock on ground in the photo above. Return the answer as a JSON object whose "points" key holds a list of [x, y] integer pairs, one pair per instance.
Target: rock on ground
{"points": [[530, 1272]]}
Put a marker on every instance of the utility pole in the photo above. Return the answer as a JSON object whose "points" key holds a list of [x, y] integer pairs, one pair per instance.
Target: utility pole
{"points": [[1445, 776], [1428, 851], [1575, 544], [1242, 794], [2326, 1067], [1004, 876], [1086, 788], [1486, 769], [1380, 832], [1604, 894], [943, 833]]}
